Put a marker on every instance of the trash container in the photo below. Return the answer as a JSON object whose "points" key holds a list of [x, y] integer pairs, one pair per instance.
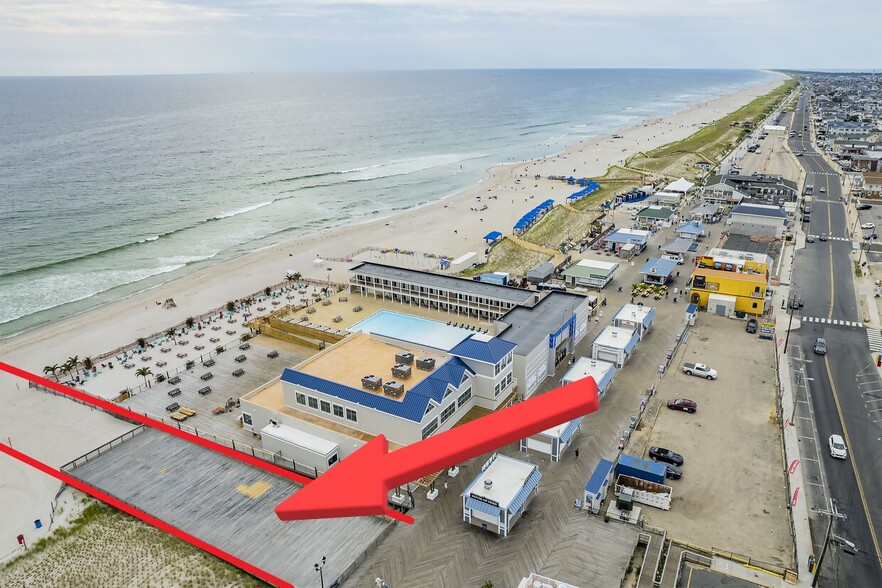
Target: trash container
{"points": [[38, 524]]}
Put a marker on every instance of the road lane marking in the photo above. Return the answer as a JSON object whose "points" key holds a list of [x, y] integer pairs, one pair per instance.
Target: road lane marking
{"points": [[853, 460]]}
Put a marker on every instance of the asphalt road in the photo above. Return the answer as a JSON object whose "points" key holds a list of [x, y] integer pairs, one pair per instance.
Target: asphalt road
{"points": [[844, 387]]}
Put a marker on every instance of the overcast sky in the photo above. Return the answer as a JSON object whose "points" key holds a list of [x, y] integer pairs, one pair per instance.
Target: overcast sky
{"points": [[61, 37]]}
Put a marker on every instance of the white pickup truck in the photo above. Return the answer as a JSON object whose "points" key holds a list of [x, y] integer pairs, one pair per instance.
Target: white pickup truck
{"points": [[699, 369]]}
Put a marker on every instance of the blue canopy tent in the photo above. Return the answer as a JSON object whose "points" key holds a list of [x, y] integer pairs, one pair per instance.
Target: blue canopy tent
{"points": [[590, 188], [492, 236], [529, 219]]}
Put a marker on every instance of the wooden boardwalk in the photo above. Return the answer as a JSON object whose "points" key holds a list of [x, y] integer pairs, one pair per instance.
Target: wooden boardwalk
{"points": [[229, 504]]}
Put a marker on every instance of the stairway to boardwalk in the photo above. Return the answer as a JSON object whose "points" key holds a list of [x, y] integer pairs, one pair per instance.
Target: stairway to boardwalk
{"points": [[654, 548]]}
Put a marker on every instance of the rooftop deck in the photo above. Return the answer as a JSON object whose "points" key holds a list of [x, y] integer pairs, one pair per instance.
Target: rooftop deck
{"points": [[359, 355], [229, 504]]}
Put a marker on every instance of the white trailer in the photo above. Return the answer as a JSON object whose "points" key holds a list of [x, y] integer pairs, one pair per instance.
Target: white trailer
{"points": [[307, 451], [646, 492], [464, 262]]}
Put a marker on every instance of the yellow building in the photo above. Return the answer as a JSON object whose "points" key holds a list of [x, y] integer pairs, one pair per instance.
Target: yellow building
{"points": [[735, 261], [727, 292]]}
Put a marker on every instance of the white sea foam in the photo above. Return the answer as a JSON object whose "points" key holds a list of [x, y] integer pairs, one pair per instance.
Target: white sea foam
{"points": [[244, 210]]}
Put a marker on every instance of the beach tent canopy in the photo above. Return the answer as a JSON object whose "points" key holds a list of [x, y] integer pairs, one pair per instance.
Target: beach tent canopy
{"points": [[682, 185], [492, 236]]}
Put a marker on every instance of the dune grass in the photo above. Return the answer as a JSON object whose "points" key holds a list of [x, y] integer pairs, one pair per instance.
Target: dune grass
{"points": [[508, 256]]}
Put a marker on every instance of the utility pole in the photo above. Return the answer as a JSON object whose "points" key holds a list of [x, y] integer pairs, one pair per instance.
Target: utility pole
{"points": [[832, 513], [790, 321]]}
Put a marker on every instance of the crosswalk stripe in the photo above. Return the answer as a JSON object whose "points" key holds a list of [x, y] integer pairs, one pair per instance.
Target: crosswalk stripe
{"points": [[874, 339], [839, 322]]}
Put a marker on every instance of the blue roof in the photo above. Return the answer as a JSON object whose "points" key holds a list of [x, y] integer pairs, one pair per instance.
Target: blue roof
{"points": [[480, 506], [411, 407], [629, 348], [605, 381], [520, 498], [570, 429], [692, 309], [662, 267], [490, 351], [599, 477], [757, 211], [492, 236], [691, 228]]}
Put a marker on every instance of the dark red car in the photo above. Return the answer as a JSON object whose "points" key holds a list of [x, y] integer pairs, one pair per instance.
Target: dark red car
{"points": [[682, 404]]}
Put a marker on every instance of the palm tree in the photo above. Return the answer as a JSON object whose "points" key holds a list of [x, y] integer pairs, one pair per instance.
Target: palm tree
{"points": [[190, 321], [87, 363], [231, 306], [170, 332], [267, 291], [52, 369], [247, 301], [66, 367], [74, 363], [142, 342], [144, 372], [295, 277]]}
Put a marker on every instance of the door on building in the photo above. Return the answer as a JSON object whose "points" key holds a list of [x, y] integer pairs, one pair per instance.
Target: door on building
{"points": [[721, 310]]}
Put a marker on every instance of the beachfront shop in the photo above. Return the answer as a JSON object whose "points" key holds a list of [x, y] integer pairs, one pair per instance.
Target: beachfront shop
{"points": [[554, 441], [590, 273], [603, 373], [497, 498], [614, 344]]}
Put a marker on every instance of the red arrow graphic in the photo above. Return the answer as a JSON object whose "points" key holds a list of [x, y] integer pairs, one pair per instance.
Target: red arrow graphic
{"points": [[359, 485]]}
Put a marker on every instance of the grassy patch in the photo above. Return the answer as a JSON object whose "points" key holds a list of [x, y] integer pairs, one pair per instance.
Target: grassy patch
{"points": [[508, 256], [712, 141], [559, 225], [105, 547]]}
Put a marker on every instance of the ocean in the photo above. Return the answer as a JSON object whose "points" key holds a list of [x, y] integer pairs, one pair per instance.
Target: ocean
{"points": [[110, 185]]}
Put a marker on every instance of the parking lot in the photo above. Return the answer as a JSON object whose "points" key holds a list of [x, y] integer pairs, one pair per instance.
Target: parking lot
{"points": [[732, 495]]}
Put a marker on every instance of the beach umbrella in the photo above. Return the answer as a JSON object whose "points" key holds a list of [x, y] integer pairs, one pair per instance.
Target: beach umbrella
{"points": [[318, 261]]}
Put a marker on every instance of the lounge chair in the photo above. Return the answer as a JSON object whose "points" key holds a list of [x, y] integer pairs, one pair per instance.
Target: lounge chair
{"points": [[178, 416], [187, 411]]}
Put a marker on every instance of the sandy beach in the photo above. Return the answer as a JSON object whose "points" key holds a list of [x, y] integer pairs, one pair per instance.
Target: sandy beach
{"points": [[57, 431]]}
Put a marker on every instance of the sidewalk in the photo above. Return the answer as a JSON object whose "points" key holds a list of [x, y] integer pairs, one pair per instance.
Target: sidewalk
{"points": [[796, 484]]}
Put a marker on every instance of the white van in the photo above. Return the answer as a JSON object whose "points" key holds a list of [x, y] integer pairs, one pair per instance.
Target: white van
{"points": [[678, 258]]}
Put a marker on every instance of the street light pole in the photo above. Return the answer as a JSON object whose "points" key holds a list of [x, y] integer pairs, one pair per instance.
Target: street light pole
{"points": [[789, 322], [319, 569]]}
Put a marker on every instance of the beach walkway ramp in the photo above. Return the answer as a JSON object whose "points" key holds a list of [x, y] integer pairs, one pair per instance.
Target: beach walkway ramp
{"points": [[229, 504]]}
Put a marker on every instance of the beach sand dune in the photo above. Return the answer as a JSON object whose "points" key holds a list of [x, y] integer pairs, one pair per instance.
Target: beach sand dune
{"points": [[57, 430]]}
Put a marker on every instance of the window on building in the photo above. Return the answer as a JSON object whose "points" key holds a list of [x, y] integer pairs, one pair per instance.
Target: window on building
{"points": [[312, 401], [508, 380], [429, 409], [338, 411], [755, 304], [497, 389], [351, 415], [448, 412], [464, 397], [430, 428], [325, 406], [246, 419], [301, 398], [448, 392], [332, 460]]}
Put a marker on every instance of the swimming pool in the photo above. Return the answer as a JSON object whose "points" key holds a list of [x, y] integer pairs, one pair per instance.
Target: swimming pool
{"points": [[413, 329]]}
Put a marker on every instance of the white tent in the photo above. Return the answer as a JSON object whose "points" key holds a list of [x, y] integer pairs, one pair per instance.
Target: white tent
{"points": [[682, 185]]}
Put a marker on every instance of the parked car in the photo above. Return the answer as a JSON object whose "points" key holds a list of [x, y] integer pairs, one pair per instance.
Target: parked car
{"points": [[810, 239], [699, 369], [673, 472], [864, 206], [683, 404], [837, 447], [871, 237], [665, 455], [821, 346], [823, 236], [823, 190], [752, 326], [868, 226], [796, 303]]}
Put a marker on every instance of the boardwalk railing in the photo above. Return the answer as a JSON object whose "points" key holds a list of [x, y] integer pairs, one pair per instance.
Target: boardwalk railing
{"points": [[243, 447], [103, 448]]}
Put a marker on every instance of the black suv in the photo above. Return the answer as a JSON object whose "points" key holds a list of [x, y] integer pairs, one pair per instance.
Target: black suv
{"points": [[665, 455]]}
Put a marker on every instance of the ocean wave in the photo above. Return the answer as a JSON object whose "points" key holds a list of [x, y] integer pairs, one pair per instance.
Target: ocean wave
{"points": [[58, 289], [244, 210], [541, 125]]}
